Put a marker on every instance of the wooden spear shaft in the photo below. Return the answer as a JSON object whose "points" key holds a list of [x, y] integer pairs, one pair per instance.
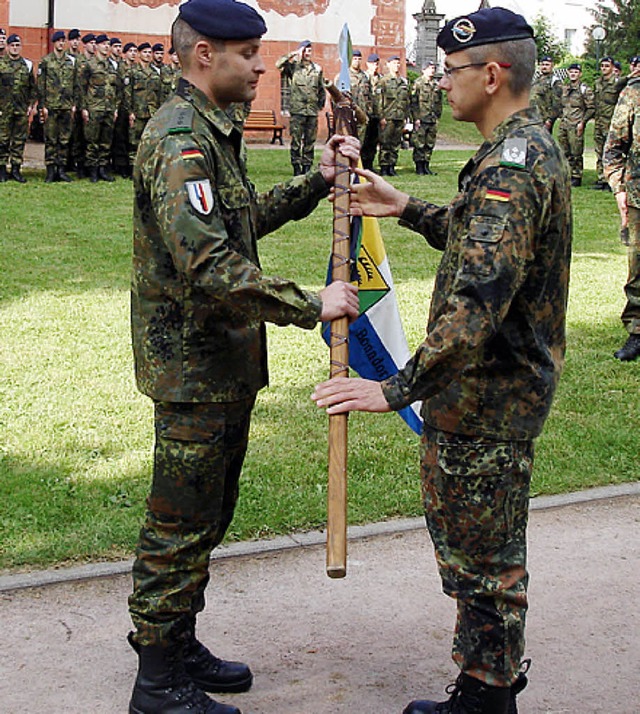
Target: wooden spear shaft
{"points": [[339, 357]]}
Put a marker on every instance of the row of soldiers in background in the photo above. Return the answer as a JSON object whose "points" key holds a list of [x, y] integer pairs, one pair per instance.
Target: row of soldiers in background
{"points": [[384, 103], [93, 103], [574, 103]]}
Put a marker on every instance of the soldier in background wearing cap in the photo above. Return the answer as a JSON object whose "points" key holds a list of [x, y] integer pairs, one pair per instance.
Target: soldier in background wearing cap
{"points": [[199, 306], [99, 97], [605, 92], [17, 104], [171, 74], [3, 42], [77, 147], [494, 348], [57, 96], [157, 60], [120, 149], [546, 92], [394, 111], [360, 90], [372, 134], [578, 106], [306, 99], [426, 109], [621, 161]]}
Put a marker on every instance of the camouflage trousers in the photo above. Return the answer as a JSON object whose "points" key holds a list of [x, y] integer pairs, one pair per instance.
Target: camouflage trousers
{"points": [[57, 132], [135, 134], [390, 141], [370, 142], [573, 147], [631, 313], [600, 131], [98, 132], [77, 143], [423, 139], [476, 497], [14, 128], [120, 143], [304, 132], [198, 456]]}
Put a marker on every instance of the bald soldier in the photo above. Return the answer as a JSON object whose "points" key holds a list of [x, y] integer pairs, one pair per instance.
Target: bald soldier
{"points": [[199, 306], [488, 368]]}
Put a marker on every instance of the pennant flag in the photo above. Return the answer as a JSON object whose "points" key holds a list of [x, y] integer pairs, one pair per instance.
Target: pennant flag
{"points": [[377, 344]]}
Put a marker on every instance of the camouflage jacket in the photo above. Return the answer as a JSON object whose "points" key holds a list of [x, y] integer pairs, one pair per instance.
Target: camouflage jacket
{"points": [[169, 80], [199, 297], [17, 85], [606, 93], [426, 101], [375, 93], [361, 91], [621, 157], [578, 103], [546, 96], [142, 95], [57, 82], [307, 85], [495, 340], [394, 97], [98, 85]]}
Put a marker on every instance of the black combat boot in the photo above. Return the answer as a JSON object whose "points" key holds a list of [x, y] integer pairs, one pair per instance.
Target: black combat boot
{"points": [[3, 174], [51, 174], [630, 350], [468, 696], [210, 673], [62, 175], [428, 171], [392, 170], [104, 175], [420, 168], [80, 172], [384, 170], [163, 687], [16, 175], [92, 173]]}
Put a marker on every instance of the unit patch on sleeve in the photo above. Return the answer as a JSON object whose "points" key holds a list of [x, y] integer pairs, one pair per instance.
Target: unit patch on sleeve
{"points": [[201, 196], [514, 153]]}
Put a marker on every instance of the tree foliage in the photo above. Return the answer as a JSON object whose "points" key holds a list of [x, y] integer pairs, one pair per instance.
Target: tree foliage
{"points": [[621, 21], [547, 41]]}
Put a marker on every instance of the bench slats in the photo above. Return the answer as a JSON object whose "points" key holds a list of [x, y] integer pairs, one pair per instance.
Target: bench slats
{"points": [[264, 120]]}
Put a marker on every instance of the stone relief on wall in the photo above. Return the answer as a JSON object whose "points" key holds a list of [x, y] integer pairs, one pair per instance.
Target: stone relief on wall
{"points": [[301, 8]]}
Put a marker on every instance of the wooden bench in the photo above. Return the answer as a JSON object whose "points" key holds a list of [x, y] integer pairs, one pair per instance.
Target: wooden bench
{"points": [[264, 120]]}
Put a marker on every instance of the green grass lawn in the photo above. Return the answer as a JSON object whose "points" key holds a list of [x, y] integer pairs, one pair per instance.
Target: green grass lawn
{"points": [[75, 436]]}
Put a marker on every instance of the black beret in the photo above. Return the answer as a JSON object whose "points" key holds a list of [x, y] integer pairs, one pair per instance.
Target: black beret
{"points": [[158, 47], [484, 27], [635, 59], [172, 50], [101, 38], [373, 57], [357, 53], [13, 38], [575, 65], [89, 37], [129, 45], [115, 41], [608, 58], [546, 58], [3, 31], [304, 44], [223, 19], [617, 64], [58, 35], [144, 46], [394, 57], [74, 34]]}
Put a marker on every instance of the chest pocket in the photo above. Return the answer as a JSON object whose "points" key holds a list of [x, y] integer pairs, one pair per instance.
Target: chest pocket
{"points": [[481, 244], [235, 206]]}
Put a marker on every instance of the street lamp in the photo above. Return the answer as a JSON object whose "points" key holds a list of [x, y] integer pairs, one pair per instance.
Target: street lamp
{"points": [[598, 33]]}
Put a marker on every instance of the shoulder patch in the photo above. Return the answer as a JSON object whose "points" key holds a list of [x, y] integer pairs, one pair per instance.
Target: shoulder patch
{"points": [[514, 153], [200, 195], [182, 121]]}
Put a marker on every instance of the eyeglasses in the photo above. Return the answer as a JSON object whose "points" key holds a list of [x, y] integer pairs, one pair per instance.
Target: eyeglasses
{"points": [[450, 71]]}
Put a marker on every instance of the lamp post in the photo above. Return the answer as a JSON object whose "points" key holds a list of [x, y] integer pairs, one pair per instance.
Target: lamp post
{"points": [[598, 33]]}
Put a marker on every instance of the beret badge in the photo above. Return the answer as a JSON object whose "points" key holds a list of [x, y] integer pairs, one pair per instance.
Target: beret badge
{"points": [[463, 30]]}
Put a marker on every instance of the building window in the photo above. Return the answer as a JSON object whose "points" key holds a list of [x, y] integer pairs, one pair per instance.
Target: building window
{"points": [[285, 95]]}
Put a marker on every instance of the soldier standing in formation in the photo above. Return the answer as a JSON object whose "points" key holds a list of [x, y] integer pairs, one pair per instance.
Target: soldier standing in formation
{"points": [[171, 74], [142, 97], [199, 306], [17, 102], [394, 110], [578, 106], [546, 93], [98, 84], [77, 146], [120, 148], [372, 134], [488, 368], [622, 168], [306, 100], [157, 64], [3, 42], [360, 90], [606, 92], [57, 104], [426, 109]]}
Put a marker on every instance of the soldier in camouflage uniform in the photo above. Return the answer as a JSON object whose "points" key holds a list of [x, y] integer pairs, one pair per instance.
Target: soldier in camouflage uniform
{"points": [[17, 101], [546, 93], [489, 366], [578, 106], [622, 168], [77, 145], [57, 97], [372, 134], [3, 42], [98, 83], [199, 306], [394, 109], [120, 146], [426, 109], [171, 73], [306, 100], [361, 93], [141, 97], [606, 92]]}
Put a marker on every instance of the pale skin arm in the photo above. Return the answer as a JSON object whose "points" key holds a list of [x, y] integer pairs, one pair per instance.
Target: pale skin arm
{"points": [[348, 146], [341, 394], [623, 208], [338, 300], [376, 197]]}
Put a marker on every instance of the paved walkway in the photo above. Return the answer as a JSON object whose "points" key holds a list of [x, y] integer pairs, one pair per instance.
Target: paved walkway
{"points": [[365, 644]]}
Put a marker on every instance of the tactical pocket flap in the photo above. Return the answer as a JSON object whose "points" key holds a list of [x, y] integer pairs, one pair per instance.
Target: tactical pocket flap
{"points": [[486, 229], [473, 459]]}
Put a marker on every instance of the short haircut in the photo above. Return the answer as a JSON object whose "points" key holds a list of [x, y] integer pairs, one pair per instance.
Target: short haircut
{"points": [[519, 54], [184, 38]]}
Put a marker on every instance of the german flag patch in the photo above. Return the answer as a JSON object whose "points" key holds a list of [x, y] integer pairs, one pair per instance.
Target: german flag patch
{"points": [[493, 194], [192, 154]]}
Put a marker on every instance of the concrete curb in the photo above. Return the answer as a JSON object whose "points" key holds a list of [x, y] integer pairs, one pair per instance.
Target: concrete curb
{"points": [[91, 571]]}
